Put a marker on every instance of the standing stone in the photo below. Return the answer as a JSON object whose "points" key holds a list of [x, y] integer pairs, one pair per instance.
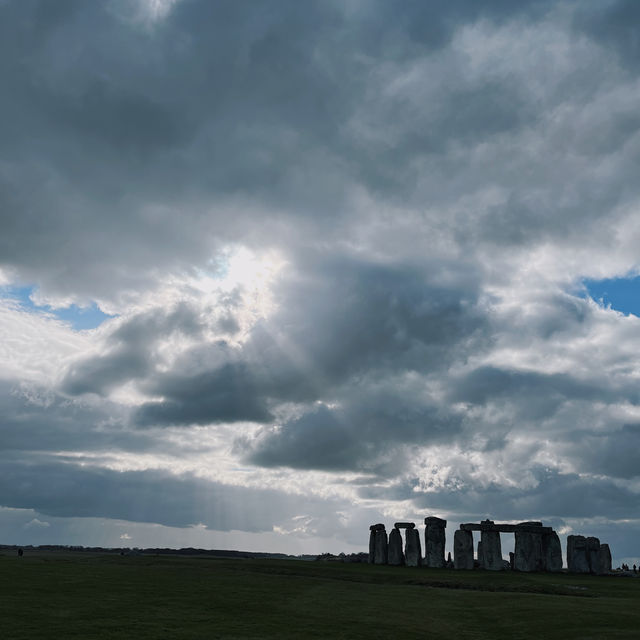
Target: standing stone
{"points": [[604, 564], [463, 549], [412, 550], [491, 550], [381, 547], [593, 554], [480, 557], [512, 560], [528, 551], [395, 557], [372, 545], [372, 540], [434, 541], [551, 552], [577, 558]]}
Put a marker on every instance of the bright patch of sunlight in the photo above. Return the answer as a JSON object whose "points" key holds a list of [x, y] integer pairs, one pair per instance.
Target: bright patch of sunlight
{"points": [[246, 269]]}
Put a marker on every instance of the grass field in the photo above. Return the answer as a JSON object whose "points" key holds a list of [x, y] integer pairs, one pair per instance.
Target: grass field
{"points": [[66, 595]]}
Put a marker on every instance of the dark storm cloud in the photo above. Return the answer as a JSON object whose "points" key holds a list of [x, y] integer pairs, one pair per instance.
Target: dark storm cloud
{"points": [[228, 394], [339, 319], [63, 489], [368, 434], [615, 24], [136, 141], [612, 453]]}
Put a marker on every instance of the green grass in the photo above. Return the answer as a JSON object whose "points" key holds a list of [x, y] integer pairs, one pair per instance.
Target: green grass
{"points": [[56, 595]]}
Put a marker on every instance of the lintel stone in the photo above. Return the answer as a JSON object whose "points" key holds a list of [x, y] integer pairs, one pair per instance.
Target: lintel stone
{"points": [[435, 522], [405, 525], [505, 528]]}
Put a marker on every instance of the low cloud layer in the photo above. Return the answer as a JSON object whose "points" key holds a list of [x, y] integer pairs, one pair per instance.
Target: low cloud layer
{"points": [[342, 247]]}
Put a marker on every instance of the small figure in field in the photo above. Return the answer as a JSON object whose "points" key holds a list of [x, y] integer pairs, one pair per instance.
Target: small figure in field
{"points": [[20, 552]]}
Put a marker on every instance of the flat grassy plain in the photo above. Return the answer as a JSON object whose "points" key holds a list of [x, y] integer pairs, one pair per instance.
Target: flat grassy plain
{"points": [[80, 595]]}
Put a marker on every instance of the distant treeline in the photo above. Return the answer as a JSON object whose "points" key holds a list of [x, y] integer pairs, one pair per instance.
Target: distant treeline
{"points": [[185, 551]]}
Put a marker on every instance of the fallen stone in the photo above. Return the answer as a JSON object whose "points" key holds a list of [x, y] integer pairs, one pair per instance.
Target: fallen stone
{"points": [[551, 552], [412, 550], [395, 555], [577, 557], [491, 550], [380, 547], [434, 541], [463, 549], [528, 552], [405, 525]]}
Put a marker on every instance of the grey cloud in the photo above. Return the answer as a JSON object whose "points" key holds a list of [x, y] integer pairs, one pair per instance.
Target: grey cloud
{"points": [[62, 489], [129, 354], [320, 439], [401, 176], [615, 24], [370, 433], [35, 418], [555, 495], [613, 453], [341, 319], [228, 394], [139, 151], [536, 395]]}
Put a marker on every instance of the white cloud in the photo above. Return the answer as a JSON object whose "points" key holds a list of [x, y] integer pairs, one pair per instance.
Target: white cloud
{"points": [[37, 524]]}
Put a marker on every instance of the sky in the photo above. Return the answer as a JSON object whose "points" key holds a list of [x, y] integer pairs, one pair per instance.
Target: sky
{"points": [[271, 273]]}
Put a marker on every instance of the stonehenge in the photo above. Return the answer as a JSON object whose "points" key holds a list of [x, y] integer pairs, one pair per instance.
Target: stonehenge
{"points": [[537, 548]]}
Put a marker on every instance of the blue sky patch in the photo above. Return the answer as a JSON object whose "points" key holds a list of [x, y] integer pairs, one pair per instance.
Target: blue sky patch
{"points": [[621, 294], [78, 317]]}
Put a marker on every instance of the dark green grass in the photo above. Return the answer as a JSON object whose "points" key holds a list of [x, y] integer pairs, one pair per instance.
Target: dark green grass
{"points": [[55, 595]]}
